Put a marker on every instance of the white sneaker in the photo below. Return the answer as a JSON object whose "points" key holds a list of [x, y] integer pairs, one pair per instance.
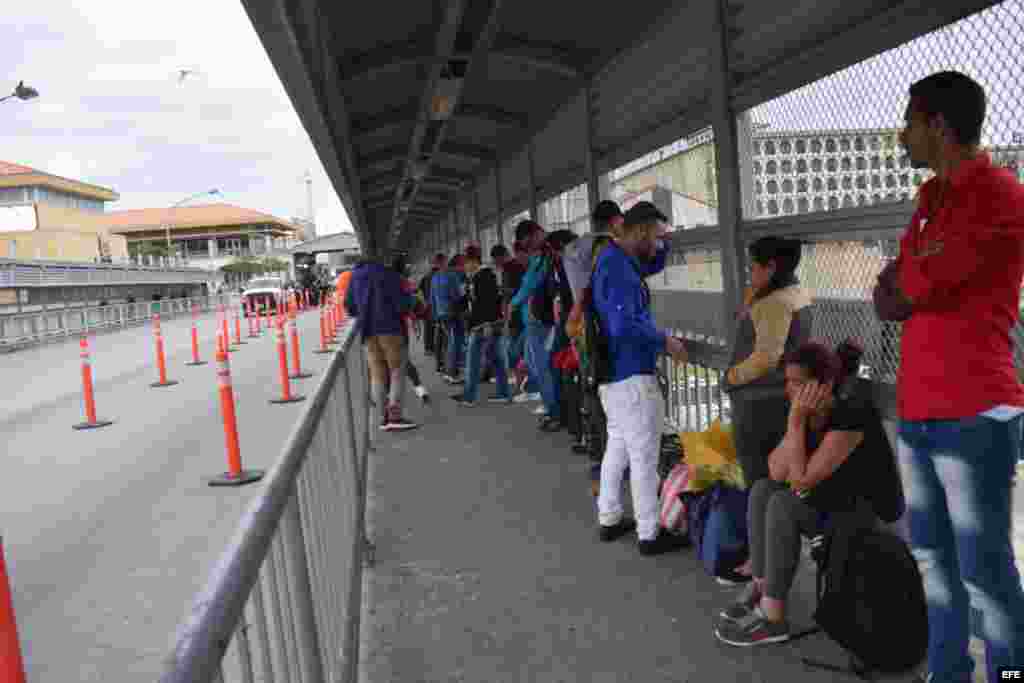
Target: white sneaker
{"points": [[421, 393], [540, 410], [526, 398]]}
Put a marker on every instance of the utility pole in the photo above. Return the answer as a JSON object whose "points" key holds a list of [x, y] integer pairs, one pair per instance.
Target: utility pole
{"points": [[308, 178]]}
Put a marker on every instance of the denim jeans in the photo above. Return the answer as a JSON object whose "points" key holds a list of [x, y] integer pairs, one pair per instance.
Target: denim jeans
{"points": [[539, 359], [958, 477], [456, 345], [517, 351], [479, 343]]}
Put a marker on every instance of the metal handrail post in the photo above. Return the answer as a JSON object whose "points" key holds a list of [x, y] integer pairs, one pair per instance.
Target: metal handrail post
{"points": [[244, 653], [260, 619], [307, 641]]}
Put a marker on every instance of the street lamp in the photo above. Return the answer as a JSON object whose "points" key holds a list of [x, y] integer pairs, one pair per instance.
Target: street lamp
{"points": [[185, 201], [22, 92]]}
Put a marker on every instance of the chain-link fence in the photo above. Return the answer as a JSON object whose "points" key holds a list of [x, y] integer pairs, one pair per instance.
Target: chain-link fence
{"points": [[834, 144]]}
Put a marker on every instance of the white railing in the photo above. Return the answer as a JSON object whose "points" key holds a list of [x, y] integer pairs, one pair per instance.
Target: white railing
{"points": [[26, 329], [286, 594]]}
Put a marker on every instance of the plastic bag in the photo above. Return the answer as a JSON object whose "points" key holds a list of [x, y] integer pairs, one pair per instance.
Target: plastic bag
{"points": [[711, 455]]}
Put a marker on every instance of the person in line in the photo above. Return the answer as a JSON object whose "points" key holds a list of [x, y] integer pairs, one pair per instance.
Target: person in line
{"points": [[538, 316], [579, 260], [776, 319], [429, 325], [456, 360], [630, 394], [401, 266], [485, 323], [956, 284], [375, 296], [563, 367], [341, 287], [443, 290], [831, 454], [513, 273]]}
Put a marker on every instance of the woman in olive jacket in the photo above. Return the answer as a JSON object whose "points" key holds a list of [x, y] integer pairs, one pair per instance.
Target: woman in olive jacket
{"points": [[776, 319]]}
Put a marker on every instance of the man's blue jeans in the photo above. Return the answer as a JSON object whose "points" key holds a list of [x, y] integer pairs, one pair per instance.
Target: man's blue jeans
{"points": [[958, 478], [478, 344], [539, 358], [516, 352], [456, 346]]}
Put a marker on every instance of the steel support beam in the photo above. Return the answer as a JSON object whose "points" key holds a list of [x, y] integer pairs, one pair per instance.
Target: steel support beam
{"points": [[730, 209], [476, 214], [407, 116], [532, 176], [589, 158], [422, 148], [417, 52], [500, 230]]}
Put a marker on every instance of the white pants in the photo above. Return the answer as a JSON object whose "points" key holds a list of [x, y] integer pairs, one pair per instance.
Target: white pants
{"points": [[636, 415]]}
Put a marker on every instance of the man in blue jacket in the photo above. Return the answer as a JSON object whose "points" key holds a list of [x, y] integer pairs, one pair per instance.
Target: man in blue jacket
{"points": [[630, 396], [441, 308], [375, 296]]}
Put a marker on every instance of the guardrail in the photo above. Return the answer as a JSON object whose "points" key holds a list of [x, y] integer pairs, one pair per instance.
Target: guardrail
{"points": [[287, 591], [26, 329], [25, 273]]}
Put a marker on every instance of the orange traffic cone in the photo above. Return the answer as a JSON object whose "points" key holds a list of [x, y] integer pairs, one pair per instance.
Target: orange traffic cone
{"points": [[12, 668]]}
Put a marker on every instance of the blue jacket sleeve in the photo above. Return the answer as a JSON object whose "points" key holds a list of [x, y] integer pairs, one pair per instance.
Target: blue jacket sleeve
{"points": [[618, 294], [532, 280]]}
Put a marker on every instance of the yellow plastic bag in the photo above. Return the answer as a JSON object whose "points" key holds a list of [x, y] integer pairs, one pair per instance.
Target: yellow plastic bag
{"points": [[711, 456]]}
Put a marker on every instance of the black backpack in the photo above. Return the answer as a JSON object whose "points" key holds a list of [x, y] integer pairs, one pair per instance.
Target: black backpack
{"points": [[871, 596]]}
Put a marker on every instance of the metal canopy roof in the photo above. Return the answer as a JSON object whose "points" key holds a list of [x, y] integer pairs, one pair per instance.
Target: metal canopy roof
{"points": [[366, 77]]}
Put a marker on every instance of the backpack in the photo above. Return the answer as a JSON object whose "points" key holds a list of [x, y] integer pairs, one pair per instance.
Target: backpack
{"points": [[871, 595], [717, 521]]}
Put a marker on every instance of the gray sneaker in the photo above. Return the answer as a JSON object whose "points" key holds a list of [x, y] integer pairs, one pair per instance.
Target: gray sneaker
{"points": [[756, 631], [743, 609]]}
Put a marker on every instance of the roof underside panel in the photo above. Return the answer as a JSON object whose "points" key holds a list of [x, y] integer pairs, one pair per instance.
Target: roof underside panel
{"points": [[366, 100]]}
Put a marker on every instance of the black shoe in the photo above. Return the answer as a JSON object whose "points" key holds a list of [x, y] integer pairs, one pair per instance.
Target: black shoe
{"points": [[461, 400], [664, 542], [617, 531], [550, 424]]}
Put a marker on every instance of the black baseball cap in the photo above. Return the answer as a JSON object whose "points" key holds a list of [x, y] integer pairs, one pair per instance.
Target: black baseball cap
{"points": [[526, 228], [605, 210], [643, 212]]}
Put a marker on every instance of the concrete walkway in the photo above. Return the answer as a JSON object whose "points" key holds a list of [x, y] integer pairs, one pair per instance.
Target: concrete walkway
{"points": [[488, 568]]}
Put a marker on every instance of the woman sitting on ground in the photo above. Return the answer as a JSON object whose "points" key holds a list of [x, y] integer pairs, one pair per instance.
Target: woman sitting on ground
{"points": [[832, 454]]}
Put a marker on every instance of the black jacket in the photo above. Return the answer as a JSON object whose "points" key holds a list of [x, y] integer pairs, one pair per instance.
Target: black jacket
{"points": [[512, 278], [484, 298]]}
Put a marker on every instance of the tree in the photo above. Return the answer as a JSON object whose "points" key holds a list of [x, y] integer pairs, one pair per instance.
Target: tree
{"points": [[146, 249]]}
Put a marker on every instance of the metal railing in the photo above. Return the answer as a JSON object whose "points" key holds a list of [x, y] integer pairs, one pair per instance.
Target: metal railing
{"points": [[26, 329], [286, 594], [27, 273]]}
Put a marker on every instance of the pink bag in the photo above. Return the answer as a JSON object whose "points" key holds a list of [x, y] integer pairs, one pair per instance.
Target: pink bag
{"points": [[673, 510]]}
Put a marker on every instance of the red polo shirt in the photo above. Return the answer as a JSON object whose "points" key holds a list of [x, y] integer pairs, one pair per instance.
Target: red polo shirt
{"points": [[962, 265]]}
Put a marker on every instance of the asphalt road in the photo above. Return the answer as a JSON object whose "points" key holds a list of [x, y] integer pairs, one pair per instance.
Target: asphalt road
{"points": [[109, 533]]}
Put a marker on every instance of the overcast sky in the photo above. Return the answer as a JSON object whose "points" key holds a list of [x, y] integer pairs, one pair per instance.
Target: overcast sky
{"points": [[111, 110]]}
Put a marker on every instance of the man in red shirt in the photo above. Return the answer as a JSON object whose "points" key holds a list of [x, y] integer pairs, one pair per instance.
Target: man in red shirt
{"points": [[957, 285]]}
